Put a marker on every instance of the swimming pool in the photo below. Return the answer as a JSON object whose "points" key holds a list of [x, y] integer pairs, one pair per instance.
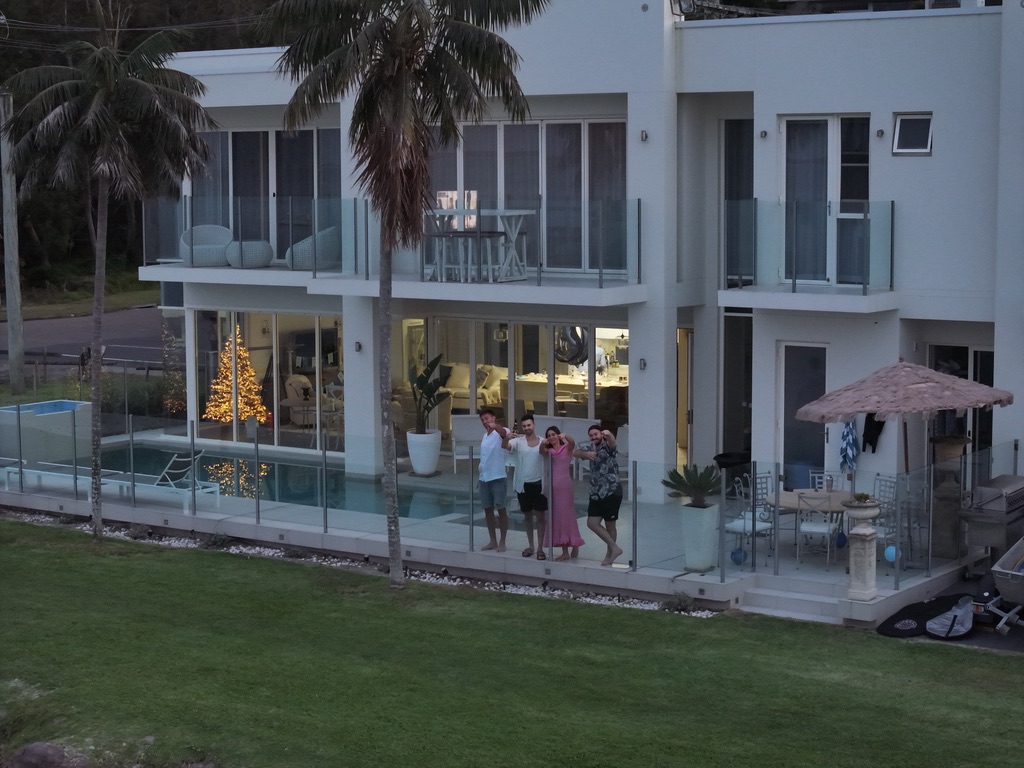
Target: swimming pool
{"points": [[47, 406], [293, 483]]}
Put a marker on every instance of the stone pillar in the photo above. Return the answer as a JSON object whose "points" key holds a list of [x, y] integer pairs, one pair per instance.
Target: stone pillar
{"points": [[862, 549]]}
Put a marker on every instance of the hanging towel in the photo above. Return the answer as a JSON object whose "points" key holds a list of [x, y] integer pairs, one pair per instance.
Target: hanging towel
{"points": [[872, 429], [848, 448]]}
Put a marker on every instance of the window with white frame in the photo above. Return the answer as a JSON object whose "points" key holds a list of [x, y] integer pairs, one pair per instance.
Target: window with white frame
{"points": [[913, 134], [573, 173]]}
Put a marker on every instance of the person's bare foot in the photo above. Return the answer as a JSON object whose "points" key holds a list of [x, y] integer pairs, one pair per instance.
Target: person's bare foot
{"points": [[574, 552], [562, 558], [501, 548], [615, 553], [491, 545]]}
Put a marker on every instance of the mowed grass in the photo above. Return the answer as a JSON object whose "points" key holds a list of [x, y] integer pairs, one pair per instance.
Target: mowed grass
{"points": [[256, 662]]}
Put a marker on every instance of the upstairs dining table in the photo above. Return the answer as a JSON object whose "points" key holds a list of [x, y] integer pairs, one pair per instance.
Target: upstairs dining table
{"points": [[457, 230]]}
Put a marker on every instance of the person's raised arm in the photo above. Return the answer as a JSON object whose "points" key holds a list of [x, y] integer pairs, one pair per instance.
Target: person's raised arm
{"points": [[609, 438]]}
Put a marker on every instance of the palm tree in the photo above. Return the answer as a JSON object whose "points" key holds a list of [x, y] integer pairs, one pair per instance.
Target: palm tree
{"points": [[110, 124], [414, 69]]}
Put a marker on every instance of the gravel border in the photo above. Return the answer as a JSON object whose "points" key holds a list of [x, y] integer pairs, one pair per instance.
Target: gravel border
{"points": [[438, 579]]}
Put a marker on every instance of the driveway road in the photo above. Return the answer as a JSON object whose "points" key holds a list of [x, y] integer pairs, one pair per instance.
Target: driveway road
{"points": [[130, 334]]}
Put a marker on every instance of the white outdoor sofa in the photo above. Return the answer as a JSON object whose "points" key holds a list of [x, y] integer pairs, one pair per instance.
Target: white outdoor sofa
{"points": [[205, 245]]}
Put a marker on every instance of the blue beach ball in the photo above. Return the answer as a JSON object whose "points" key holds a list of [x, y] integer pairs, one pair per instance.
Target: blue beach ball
{"points": [[738, 556], [891, 553]]}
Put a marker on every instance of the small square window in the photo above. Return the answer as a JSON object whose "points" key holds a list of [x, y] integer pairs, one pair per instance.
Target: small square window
{"points": [[913, 135]]}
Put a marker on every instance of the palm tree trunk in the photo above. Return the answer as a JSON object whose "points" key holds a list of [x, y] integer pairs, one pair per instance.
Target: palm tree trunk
{"points": [[96, 356], [397, 568], [12, 257]]}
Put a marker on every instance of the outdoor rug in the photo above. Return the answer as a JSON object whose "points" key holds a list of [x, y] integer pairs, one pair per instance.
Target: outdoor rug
{"points": [[913, 619]]}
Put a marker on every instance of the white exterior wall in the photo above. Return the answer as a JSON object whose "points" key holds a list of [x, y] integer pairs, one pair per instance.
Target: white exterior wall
{"points": [[946, 63], [1009, 330]]}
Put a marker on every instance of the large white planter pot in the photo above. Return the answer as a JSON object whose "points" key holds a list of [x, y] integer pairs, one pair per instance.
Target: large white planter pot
{"points": [[424, 451], [700, 537]]}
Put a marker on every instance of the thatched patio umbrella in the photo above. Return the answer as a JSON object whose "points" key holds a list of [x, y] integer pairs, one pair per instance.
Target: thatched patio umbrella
{"points": [[901, 389]]}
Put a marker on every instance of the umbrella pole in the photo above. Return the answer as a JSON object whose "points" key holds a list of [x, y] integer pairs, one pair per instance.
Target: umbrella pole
{"points": [[906, 448]]}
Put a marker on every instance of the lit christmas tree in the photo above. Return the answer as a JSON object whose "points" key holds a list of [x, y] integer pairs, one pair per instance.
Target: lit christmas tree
{"points": [[219, 406]]}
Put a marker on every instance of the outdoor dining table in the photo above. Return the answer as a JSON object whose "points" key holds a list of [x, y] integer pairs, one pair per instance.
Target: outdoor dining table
{"points": [[789, 501], [789, 504], [444, 229]]}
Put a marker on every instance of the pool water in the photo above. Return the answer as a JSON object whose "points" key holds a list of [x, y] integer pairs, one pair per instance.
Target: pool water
{"points": [[47, 406], [292, 483]]}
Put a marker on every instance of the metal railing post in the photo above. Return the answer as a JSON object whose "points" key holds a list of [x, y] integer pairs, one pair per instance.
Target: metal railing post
{"points": [[635, 559], [256, 468]]}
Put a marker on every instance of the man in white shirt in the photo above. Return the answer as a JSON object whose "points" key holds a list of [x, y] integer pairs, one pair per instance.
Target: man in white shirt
{"points": [[492, 480], [527, 480]]}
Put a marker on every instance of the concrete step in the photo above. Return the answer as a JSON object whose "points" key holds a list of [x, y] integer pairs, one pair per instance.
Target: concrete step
{"points": [[776, 602]]}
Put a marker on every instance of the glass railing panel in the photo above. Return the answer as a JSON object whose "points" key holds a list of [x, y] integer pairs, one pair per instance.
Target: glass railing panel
{"points": [[750, 524], [163, 221], [437, 509], [296, 235], [769, 217], [804, 247], [880, 254], [1002, 459], [608, 249], [46, 447], [906, 543], [657, 524], [332, 230], [807, 244], [740, 233]]}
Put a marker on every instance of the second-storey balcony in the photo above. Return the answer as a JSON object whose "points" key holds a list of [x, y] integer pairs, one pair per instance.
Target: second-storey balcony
{"points": [[589, 243], [834, 248]]}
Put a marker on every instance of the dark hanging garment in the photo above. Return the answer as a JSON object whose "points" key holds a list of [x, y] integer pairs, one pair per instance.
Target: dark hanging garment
{"points": [[872, 429]]}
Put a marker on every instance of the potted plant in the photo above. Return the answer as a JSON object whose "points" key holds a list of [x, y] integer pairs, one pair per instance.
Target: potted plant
{"points": [[862, 509], [700, 519], [425, 444]]}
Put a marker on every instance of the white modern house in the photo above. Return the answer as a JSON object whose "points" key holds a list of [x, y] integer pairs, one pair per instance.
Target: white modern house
{"points": [[702, 225]]}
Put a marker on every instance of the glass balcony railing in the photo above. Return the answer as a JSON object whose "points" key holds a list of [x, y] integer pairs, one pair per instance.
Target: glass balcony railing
{"points": [[806, 245], [591, 240], [595, 240], [318, 235]]}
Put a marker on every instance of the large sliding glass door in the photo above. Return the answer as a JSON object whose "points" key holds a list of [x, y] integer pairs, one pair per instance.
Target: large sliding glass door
{"points": [[285, 370], [250, 174], [294, 200], [826, 199], [551, 370], [572, 174], [803, 442]]}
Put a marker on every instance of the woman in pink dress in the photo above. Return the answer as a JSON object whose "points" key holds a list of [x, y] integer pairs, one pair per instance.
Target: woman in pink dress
{"points": [[565, 531]]}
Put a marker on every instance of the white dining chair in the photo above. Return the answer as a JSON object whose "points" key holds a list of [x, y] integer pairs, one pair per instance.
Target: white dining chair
{"points": [[816, 518]]}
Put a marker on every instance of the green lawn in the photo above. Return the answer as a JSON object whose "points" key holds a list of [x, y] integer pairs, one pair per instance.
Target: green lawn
{"points": [[255, 662]]}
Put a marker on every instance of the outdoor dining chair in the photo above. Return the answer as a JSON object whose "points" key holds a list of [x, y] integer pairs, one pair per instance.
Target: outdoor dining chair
{"points": [[815, 518]]}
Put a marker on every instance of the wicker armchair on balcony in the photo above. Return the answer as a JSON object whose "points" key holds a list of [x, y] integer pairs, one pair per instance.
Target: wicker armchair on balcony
{"points": [[328, 252], [205, 245]]}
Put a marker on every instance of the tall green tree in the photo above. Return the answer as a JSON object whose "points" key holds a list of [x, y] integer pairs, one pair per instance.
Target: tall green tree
{"points": [[414, 69], [111, 125]]}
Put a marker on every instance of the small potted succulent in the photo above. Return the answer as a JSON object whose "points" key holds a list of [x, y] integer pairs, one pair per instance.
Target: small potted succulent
{"points": [[700, 521], [694, 483]]}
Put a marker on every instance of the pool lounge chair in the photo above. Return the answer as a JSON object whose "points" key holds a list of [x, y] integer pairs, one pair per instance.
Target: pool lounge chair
{"points": [[177, 475]]}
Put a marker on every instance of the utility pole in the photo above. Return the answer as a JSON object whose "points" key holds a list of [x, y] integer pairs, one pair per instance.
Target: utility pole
{"points": [[12, 265]]}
